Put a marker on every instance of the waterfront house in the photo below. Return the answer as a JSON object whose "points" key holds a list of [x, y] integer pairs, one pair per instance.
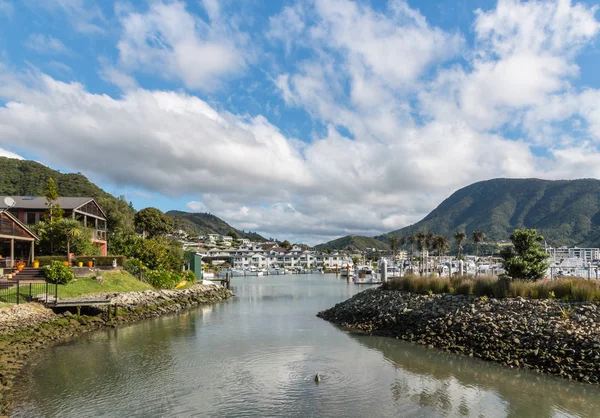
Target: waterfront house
{"points": [[17, 242], [30, 210]]}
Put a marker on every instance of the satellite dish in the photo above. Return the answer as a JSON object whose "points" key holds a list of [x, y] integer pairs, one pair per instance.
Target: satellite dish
{"points": [[9, 202]]}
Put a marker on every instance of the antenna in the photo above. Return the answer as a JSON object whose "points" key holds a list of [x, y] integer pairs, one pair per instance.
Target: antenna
{"points": [[9, 202]]}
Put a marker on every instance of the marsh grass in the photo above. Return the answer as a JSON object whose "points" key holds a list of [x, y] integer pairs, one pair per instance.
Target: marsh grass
{"points": [[575, 289]]}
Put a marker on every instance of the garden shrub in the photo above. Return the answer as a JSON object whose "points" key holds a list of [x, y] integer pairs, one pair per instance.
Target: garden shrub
{"points": [[162, 279], [58, 273]]}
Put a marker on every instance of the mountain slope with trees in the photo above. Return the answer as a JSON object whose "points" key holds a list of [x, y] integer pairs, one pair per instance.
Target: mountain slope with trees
{"points": [[354, 243], [565, 212], [206, 223]]}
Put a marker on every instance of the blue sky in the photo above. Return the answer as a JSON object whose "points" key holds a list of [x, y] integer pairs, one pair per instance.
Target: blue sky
{"points": [[304, 120]]}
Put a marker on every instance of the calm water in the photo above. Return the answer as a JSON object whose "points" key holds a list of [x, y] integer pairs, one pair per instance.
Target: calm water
{"points": [[257, 355]]}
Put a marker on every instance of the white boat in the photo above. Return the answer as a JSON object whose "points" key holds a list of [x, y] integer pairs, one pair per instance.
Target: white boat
{"points": [[367, 275]]}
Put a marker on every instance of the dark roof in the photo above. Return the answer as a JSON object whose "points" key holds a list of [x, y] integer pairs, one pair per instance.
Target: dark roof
{"points": [[39, 202], [18, 222]]}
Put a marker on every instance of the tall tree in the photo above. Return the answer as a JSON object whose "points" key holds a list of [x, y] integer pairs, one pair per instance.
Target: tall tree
{"points": [[71, 229], [526, 258], [394, 246], [152, 222], [478, 237], [459, 237], [421, 239]]}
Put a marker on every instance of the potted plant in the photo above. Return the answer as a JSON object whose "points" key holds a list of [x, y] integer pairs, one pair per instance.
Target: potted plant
{"points": [[36, 264]]}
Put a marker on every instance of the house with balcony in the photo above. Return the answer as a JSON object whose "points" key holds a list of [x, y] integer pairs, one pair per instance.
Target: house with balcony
{"points": [[30, 210]]}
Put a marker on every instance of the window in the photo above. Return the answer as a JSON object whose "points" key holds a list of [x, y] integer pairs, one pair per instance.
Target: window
{"points": [[31, 218]]}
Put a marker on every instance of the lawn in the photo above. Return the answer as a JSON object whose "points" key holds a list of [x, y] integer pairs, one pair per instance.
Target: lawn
{"points": [[114, 281]]}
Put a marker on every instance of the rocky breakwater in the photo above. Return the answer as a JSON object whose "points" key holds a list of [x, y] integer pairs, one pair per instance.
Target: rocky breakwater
{"points": [[26, 328], [549, 336]]}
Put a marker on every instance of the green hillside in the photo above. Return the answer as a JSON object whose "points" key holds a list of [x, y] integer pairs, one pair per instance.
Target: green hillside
{"points": [[565, 212], [28, 178], [206, 223], [353, 243]]}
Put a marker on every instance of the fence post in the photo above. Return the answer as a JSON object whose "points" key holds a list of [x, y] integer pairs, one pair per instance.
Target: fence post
{"points": [[30, 292], [46, 292], [18, 288]]}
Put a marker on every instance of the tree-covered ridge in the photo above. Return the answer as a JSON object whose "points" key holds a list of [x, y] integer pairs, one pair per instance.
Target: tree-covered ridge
{"points": [[565, 212], [354, 243], [206, 223]]}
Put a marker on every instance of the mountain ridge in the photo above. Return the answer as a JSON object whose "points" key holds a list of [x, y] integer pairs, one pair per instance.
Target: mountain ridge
{"points": [[565, 212]]}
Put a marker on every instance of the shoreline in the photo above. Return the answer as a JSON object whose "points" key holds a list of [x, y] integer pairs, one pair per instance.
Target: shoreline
{"points": [[548, 336], [24, 329]]}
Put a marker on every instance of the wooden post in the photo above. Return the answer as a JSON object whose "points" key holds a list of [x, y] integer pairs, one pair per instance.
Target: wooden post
{"points": [[32, 252], [12, 253], [78, 311]]}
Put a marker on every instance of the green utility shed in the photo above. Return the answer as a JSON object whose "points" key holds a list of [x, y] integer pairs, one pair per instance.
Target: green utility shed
{"points": [[195, 263]]}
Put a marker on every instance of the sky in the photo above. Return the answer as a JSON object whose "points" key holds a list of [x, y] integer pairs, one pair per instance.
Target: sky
{"points": [[302, 120]]}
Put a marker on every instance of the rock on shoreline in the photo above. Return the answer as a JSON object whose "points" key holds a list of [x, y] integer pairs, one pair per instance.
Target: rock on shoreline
{"points": [[550, 336], [26, 328]]}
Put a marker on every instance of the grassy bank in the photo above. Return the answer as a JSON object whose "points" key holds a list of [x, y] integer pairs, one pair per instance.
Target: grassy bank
{"points": [[575, 289], [112, 281]]}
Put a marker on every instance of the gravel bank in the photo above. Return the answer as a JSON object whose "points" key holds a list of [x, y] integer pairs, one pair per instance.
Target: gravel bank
{"points": [[548, 336]]}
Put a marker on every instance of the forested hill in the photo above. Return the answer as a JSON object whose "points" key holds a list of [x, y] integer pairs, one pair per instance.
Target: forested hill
{"points": [[565, 212], [353, 243], [206, 223], [28, 178]]}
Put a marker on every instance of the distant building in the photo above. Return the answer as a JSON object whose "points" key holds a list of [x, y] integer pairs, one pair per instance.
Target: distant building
{"points": [[584, 254], [30, 210]]}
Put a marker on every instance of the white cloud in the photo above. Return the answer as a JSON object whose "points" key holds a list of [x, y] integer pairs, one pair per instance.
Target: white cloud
{"points": [[160, 141], [46, 44], [195, 206], [169, 41], [404, 129], [9, 154]]}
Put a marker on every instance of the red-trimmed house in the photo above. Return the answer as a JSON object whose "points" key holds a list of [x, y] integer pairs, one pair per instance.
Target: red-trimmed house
{"points": [[31, 209]]}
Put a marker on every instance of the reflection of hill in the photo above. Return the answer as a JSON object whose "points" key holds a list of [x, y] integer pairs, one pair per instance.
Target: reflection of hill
{"points": [[428, 377], [131, 364]]}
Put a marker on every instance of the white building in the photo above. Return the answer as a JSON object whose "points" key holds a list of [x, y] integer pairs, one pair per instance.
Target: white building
{"points": [[584, 254]]}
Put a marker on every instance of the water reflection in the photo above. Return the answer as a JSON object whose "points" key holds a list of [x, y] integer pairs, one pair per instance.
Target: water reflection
{"points": [[461, 386], [257, 356]]}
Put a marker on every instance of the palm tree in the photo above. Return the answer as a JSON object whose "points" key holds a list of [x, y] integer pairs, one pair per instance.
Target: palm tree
{"points": [[478, 237], [421, 239], [71, 228], [459, 237], [429, 241], [394, 245], [411, 240], [440, 245]]}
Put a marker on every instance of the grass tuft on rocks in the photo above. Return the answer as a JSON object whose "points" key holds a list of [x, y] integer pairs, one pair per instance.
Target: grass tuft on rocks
{"points": [[575, 289]]}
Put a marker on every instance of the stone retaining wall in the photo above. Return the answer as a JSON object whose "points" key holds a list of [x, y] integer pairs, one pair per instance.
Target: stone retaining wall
{"points": [[549, 336], [26, 328]]}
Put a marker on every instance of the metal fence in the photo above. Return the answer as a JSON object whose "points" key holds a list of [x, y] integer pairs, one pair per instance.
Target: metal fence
{"points": [[17, 291]]}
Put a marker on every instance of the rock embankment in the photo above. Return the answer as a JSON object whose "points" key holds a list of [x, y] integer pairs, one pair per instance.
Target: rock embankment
{"points": [[549, 336], [26, 328]]}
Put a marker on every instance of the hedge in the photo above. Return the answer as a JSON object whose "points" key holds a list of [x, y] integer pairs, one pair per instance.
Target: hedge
{"points": [[102, 261], [46, 260]]}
